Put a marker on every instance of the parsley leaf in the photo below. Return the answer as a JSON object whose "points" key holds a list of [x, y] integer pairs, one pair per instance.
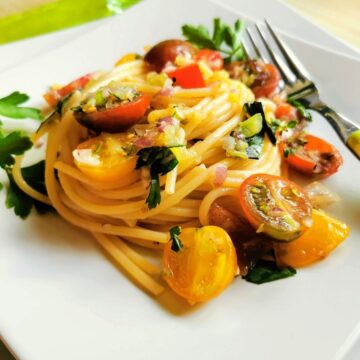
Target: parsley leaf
{"points": [[223, 34], [21, 202], [160, 160], [301, 106], [266, 271], [15, 143], [9, 107], [176, 244]]}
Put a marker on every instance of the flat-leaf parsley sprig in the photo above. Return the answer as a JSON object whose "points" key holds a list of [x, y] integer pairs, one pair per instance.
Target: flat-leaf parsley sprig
{"points": [[225, 39]]}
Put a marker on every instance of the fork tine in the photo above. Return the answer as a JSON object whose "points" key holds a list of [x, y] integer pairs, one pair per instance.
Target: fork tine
{"points": [[292, 60], [260, 54], [285, 71]]}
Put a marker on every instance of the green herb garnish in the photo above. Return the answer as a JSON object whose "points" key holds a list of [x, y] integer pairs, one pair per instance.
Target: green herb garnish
{"points": [[160, 160], [22, 203], [9, 107], [176, 243], [15, 143], [266, 271], [301, 106], [222, 35]]}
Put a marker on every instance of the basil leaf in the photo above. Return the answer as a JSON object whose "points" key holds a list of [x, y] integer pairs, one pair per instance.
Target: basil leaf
{"points": [[176, 244], [267, 271]]}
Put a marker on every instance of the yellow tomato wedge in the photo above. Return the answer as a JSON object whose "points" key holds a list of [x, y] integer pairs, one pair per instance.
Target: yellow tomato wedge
{"points": [[315, 244], [106, 158], [204, 266]]}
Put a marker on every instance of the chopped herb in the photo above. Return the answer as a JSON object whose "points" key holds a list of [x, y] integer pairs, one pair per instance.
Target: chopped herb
{"points": [[222, 35], [266, 271], [9, 107], [160, 160], [292, 124], [301, 106], [176, 244]]}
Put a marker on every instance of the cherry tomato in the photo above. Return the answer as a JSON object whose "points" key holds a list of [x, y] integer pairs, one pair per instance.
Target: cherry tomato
{"points": [[166, 52], [311, 155], [117, 118], [104, 158], [203, 267], [324, 236], [54, 96], [211, 57], [275, 206], [285, 111], [188, 77], [262, 78], [269, 84]]}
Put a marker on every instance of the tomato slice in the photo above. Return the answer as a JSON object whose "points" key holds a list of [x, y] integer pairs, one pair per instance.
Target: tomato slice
{"points": [[285, 111], [268, 86], [204, 266], [104, 158], [188, 77], [275, 206], [311, 155], [115, 119], [324, 236], [54, 96], [211, 57]]}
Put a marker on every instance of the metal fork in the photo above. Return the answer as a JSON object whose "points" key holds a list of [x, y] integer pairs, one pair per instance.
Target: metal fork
{"points": [[298, 85]]}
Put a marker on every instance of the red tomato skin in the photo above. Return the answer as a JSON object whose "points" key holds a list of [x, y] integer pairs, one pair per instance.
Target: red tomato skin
{"points": [[116, 119], [269, 87], [211, 57], [53, 97], [307, 165], [188, 77]]}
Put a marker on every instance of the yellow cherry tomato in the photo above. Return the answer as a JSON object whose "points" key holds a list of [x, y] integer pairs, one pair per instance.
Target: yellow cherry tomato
{"points": [[127, 58], [315, 244], [203, 267], [106, 158]]}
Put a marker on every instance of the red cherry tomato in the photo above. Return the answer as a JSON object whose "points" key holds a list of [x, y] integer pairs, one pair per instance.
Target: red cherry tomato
{"points": [[116, 119], [275, 206], [54, 96], [212, 58], [269, 84], [285, 111], [311, 155], [188, 77]]}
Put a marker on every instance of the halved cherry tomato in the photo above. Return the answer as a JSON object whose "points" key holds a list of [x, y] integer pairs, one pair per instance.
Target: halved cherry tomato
{"points": [[203, 267], [267, 86], [104, 158], [188, 77], [262, 78], [117, 118], [211, 57], [275, 206], [166, 52], [324, 236], [311, 155], [285, 111], [54, 96]]}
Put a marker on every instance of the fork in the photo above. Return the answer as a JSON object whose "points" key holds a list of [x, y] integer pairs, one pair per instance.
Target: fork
{"points": [[296, 81]]}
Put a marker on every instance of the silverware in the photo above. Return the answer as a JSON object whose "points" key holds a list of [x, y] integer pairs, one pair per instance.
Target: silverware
{"points": [[296, 81]]}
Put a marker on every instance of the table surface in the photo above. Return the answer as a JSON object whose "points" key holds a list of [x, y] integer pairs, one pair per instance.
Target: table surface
{"points": [[342, 21]]}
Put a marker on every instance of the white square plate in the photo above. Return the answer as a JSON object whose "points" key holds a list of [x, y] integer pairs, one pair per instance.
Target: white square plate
{"points": [[61, 298]]}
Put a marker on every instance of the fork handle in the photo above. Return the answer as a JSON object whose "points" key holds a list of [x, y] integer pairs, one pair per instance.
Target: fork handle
{"points": [[348, 131]]}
